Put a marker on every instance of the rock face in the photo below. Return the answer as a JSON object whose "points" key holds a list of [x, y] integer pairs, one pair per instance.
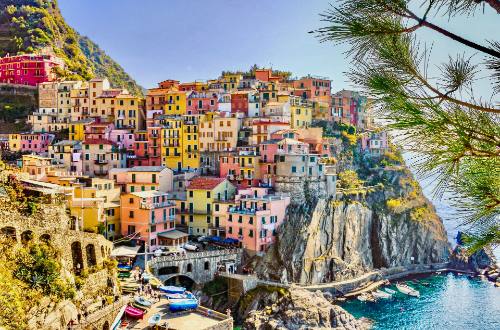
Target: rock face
{"points": [[482, 259], [300, 309], [328, 239]]}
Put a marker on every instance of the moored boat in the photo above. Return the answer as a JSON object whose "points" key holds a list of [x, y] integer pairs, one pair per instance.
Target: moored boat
{"points": [[379, 294], [134, 312], [155, 319], [403, 288], [155, 283], [186, 295], [390, 291], [142, 301], [177, 305], [172, 289]]}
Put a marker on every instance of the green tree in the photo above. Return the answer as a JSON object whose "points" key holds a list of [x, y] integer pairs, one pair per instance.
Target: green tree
{"points": [[456, 132]]}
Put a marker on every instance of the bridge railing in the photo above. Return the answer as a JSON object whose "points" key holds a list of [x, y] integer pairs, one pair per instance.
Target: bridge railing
{"points": [[193, 255]]}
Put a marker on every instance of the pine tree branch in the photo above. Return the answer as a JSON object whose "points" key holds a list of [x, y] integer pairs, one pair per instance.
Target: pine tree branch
{"points": [[423, 22], [449, 98]]}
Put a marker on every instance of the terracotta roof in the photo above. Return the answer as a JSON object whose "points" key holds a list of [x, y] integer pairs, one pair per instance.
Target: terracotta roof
{"points": [[205, 183], [98, 141]]}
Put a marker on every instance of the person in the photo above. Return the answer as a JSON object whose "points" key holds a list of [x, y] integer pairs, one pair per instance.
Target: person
{"points": [[103, 301]]}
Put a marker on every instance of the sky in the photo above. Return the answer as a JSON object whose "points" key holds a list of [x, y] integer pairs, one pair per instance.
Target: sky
{"points": [[191, 40]]}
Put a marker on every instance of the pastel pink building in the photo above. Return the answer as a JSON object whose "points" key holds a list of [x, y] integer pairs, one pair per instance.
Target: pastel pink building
{"points": [[99, 130], [123, 138], [36, 142], [255, 218], [375, 143], [29, 69], [201, 102], [147, 214]]}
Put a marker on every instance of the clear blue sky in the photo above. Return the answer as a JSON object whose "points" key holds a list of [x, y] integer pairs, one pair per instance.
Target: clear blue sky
{"points": [[197, 39]]}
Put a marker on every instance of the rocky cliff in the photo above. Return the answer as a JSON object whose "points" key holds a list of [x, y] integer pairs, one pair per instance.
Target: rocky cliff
{"points": [[298, 309], [324, 240]]}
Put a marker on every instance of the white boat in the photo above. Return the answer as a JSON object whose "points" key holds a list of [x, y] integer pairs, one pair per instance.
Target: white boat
{"points": [[381, 294], [362, 297], [391, 291], [403, 288]]}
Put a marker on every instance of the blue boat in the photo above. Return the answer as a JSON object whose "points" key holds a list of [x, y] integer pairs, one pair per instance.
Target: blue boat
{"points": [[172, 296], [178, 305], [124, 268], [143, 301], [172, 289], [155, 319]]}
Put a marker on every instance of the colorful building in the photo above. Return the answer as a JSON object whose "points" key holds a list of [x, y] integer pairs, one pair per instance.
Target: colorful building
{"points": [[301, 112], [255, 217], [67, 153], [202, 195], [143, 178], [30, 142], [146, 214], [29, 69], [100, 156]]}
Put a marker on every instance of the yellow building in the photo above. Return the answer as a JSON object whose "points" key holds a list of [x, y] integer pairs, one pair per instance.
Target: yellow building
{"points": [[129, 112], [203, 193], [103, 194], [171, 141], [14, 142], [77, 129], [218, 133], [230, 81], [301, 112], [190, 142], [175, 103]]}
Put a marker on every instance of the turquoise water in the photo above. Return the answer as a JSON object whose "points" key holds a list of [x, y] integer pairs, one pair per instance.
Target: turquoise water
{"points": [[448, 302]]}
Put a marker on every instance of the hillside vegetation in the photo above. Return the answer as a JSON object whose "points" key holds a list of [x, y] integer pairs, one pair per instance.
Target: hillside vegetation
{"points": [[30, 25]]}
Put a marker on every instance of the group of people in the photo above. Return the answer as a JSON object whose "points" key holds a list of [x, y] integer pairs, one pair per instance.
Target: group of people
{"points": [[145, 289]]}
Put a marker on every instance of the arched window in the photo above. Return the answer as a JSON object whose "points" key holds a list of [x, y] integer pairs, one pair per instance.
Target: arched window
{"points": [[207, 265], [189, 268]]}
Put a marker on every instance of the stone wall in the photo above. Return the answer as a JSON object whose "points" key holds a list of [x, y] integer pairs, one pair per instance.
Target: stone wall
{"points": [[198, 266], [52, 224]]}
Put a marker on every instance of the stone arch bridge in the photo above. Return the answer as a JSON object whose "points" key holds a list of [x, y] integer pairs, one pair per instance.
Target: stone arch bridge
{"points": [[200, 267]]}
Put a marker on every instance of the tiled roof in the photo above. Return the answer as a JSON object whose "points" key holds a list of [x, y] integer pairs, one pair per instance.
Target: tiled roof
{"points": [[147, 169], [205, 183], [98, 141]]}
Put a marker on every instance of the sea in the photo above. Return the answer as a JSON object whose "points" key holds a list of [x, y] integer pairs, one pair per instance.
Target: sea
{"points": [[447, 301]]}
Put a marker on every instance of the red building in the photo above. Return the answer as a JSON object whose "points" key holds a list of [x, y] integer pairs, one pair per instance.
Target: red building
{"points": [[29, 69], [239, 102], [201, 102], [314, 88]]}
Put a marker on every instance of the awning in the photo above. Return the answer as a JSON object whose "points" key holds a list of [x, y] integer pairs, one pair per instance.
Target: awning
{"points": [[125, 251], [173, 234]]}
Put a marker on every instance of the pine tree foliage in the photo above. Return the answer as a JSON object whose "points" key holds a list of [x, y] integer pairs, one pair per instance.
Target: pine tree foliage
{"points": [[456, 132]]}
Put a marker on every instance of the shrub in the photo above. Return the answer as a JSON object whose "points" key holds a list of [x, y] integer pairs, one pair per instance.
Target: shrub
{"points": [[349, 180]]}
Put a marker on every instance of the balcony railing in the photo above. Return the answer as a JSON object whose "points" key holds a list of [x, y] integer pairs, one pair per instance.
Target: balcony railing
{"points": [[101, 161], [149, 206]]}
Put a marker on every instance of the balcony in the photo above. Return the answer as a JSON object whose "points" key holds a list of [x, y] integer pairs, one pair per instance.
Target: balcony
{"points": [[100, 161], [150, 206], [101, 172]]}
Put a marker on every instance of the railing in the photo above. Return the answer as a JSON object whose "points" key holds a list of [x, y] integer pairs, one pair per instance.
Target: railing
{"points": [[149, 206], [194, 255]]}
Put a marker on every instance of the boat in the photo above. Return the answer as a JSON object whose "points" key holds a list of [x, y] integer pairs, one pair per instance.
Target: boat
{"points": [[118, 318], [177, 305], [362, 297], [403, 288], [134, 312], [124, 268], [391, 291], [381, 294], [123, 274], [155, 319], [142, 301], [142, 308], [186, 295], [172, 289]]}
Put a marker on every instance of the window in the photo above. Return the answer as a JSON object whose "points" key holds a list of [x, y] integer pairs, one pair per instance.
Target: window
{"points": [[189, 268], [153, 178], [190, 193], [240, 231], [208, 194], [131, 201], [133, 178], [230, 218], [250, 233], [240, 219], [294, 169], [230, 230], [206, 266], [250, 221], [131, 214], [152, 229], [130, 230], [263, 220]]}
